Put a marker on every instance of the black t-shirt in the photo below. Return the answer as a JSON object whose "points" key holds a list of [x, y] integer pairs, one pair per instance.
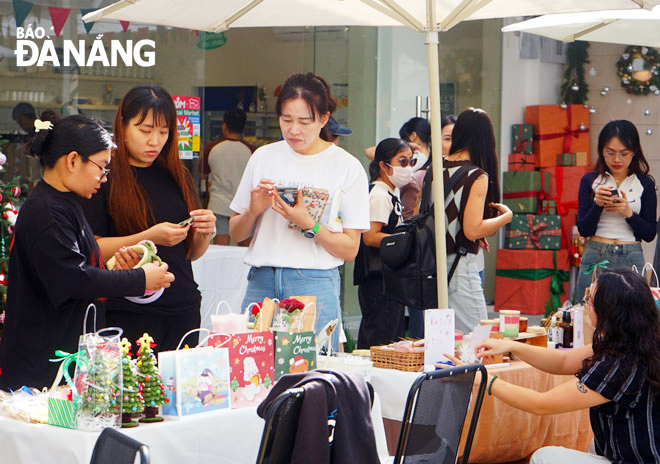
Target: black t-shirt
{"points": [[54, 274], [627, 428], [168, 205]]}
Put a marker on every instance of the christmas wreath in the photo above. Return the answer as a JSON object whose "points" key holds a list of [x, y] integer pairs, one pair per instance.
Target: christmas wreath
{"points": [[638, 68]]}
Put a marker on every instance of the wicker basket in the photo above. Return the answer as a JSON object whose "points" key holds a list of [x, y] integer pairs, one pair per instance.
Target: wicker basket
{"points": [[387, 358]]}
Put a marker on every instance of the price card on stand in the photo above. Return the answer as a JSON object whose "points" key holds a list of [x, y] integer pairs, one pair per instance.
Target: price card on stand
{"points": [[439, 335]]}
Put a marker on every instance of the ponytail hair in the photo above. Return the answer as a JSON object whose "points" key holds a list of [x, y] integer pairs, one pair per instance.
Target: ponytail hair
{"points": [[78, 133]]}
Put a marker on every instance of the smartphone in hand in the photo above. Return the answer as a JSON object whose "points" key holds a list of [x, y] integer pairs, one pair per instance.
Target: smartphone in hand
{"points": [[288, 194], [185, 222], [615, 193]]}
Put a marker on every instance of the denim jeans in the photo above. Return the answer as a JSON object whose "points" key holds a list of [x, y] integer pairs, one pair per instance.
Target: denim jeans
{"points": [[466, 295], [283, 282], [619, 256]]}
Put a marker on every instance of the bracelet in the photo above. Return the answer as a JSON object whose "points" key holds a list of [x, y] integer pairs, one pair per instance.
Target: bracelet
{"points": [[491, 384]]}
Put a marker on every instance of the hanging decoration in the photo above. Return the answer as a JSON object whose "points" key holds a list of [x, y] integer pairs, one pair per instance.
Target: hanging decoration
{"points": [[124, 25], [21, 10], [574, 87], [90, 25], [638, 69], [58, 16]]}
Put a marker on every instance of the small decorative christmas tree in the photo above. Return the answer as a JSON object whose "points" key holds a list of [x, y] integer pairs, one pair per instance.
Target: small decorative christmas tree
{"points": [[151, 384], [8, 191], [99, 393], [132, 402], [267, 382], [234, 384]]}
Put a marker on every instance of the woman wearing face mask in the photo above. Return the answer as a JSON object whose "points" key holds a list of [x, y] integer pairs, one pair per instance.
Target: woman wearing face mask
{"points": [[382, 319], [291, 253]]}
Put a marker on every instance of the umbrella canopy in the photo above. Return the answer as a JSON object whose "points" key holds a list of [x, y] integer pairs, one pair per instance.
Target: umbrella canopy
{"points": [[428, 16], [639, 27]]}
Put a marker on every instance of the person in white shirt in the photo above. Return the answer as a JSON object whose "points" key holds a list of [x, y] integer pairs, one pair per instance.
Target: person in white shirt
{"points": [[227, 160], [293, 252], [383, 319]]}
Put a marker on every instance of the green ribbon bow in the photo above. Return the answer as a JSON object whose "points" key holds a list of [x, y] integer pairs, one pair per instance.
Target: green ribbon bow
{"points": [[559, 276], [66, 359], [592, 267]]}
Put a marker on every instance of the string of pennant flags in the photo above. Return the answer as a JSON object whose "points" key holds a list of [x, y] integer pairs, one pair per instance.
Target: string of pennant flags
{"points": [[58, 16]]}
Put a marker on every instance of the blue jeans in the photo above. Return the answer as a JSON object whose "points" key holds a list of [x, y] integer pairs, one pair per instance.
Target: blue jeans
{"points": [[283, 282], [619, 256]]}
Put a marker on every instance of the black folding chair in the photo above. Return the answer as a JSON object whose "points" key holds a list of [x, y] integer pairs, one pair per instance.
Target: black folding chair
{"points": [[113, 447], [435, 412], [280, 429]]}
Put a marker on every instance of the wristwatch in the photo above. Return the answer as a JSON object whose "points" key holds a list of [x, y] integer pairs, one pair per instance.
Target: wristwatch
{"points": [[311, 233]]}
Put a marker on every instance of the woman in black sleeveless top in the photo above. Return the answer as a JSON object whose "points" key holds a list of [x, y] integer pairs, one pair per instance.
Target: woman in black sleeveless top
{"points": [[382, 319]]}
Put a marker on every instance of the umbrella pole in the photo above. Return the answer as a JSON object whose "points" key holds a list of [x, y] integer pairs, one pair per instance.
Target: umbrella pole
{"points": [[438, 183]]}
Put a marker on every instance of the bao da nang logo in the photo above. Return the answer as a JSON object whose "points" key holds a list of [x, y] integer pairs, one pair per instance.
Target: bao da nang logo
{"points": [[30, 53]]}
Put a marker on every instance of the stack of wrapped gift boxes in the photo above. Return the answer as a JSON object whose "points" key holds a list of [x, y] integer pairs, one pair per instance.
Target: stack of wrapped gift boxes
{"points": [[550, 154]]}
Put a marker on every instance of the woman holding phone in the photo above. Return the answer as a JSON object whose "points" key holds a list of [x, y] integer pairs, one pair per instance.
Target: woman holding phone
{"points": [[291, 252], [150, 195], [616, 203]]}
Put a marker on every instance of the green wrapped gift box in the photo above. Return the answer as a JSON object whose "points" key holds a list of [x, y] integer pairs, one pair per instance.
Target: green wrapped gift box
{"points": [[549, 207], [62, 413], [522, 190], [533, 232], [522, 138], [572, 159]]}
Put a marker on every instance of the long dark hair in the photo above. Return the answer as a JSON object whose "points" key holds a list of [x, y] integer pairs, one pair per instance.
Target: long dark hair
{"points": [[314, 90], [628, 325], [78, 133], [385, 151], [627, 133], [474, 132], [127, 202]]}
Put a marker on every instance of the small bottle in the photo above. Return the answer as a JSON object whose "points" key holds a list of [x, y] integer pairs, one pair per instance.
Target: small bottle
{"points": [[567, 326], [552, 343], [558, 335]]}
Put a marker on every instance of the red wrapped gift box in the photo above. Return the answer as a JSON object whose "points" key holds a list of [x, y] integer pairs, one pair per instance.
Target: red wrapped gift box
{"points": [[524, 279], [522, 162], [564, 188], [558, 130]]}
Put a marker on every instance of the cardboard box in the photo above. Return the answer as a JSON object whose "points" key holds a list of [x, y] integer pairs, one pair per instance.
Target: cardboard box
{"points": [[522, 162], [522, 138], [533, 231], [522, 190]]}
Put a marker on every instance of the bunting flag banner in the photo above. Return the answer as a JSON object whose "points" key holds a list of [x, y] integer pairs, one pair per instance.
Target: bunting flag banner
{"points": [[83, 12], [124, 25], [58, 16], [21, 10]]}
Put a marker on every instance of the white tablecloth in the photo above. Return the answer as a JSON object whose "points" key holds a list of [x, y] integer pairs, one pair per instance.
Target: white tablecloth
{"points": [[225, 437], [221, 275]]}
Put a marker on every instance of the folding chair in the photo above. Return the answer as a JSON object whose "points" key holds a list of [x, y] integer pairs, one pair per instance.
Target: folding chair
{"points": [[280, 428], [113, 447], [435, 412]]}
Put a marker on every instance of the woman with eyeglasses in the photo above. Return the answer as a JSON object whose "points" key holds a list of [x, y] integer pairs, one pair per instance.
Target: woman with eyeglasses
{"points": [[55, 265], [616, 203], [617, 376], [382, 319], [149, 196]]}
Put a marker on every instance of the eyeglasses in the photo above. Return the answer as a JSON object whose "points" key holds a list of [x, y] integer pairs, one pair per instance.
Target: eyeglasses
{"points": [[622, 154], [405, 162], [106, 171]]}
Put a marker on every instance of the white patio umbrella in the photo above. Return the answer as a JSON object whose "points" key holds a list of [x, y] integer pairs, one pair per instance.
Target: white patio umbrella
{"points": [[427, 16], [636, 27]]}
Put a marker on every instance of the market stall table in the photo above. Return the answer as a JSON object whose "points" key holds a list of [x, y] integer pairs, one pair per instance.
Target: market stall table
{"points": [[226, 437], [503, 433]]}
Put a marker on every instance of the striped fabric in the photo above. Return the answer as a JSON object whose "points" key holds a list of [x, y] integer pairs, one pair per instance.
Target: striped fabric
{"points": [[455, 205], [61, 413], [627, 428]]}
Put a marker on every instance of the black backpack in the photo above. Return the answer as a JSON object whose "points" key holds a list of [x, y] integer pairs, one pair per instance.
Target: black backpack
{"points": [[408, 255]]}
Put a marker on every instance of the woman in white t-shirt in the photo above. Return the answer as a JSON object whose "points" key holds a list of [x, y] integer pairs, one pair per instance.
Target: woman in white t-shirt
{"points": [[383, 319], [292, 252]]}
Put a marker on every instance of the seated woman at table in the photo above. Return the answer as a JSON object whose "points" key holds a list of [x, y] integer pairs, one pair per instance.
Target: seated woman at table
{"points": [[54, 264], [618, 376]]}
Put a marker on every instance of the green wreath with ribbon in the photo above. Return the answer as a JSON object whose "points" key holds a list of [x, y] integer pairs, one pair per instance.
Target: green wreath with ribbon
{"points": [[638, 69]]}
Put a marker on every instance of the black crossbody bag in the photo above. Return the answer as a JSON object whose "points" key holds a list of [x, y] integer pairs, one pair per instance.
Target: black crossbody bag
{"points": [[408, 254]]}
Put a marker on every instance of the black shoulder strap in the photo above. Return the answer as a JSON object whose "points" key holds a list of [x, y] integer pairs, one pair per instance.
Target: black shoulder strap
{"points": [[425, 206]]}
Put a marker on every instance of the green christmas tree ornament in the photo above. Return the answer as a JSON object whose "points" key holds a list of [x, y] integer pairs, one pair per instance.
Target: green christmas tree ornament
{"points": [[132, 403], [151, 384]]}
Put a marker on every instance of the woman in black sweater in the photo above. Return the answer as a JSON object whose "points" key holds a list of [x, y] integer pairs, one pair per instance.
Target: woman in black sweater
{"points": [[55, 269]]}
